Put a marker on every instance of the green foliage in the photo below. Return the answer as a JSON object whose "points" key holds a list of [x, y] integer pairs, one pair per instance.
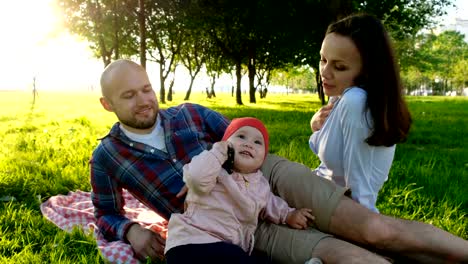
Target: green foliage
{"points": [[264, 34], [438, 62], [46, 150], [104, 23], [295, 78]]}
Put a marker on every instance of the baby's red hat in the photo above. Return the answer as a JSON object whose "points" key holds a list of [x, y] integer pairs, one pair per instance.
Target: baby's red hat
{"points": [[237, 123]]}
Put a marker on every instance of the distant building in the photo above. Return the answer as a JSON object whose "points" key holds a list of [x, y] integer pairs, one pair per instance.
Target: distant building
{"points": [[460, 25]]}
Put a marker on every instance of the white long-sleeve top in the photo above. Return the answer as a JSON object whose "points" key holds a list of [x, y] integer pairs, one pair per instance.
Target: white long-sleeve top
{"points": [[345, 156], [223, 207]]}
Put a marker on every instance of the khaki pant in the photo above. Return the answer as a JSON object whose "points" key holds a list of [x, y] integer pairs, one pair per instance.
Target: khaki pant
{"points": [[301, 188]]}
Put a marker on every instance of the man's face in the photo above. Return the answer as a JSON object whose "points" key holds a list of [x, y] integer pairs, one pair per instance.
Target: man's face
{"points": [[249, 149], [134, 102]]}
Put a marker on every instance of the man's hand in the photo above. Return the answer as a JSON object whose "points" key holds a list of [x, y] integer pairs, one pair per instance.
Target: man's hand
{"points": [[146, 243], [299, 218], [181, 193], [317, 121]]}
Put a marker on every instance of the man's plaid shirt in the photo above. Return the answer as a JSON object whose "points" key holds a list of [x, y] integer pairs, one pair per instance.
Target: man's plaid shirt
{"points": [[152, 176]]}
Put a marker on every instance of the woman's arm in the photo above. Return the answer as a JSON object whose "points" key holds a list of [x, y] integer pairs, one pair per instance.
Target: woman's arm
{"points": [[359, 158]]}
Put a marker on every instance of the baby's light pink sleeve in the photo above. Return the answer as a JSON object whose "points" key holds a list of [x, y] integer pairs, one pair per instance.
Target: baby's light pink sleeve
{"points": [[276, 209], [201, 173]]}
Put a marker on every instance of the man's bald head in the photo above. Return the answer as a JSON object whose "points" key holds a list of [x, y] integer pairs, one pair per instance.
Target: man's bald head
{"points": [[127, 91], [115, 73]]}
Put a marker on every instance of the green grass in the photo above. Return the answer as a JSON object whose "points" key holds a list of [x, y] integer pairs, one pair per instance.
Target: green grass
{"points": [[46, 148]]}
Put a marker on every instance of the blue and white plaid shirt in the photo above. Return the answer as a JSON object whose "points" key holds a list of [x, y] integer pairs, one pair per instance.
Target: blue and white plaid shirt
{"points": [[152, 176]]}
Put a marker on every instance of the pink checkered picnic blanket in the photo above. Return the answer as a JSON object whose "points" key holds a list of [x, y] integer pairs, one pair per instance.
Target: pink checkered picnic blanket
{"points": [[76, 209]]}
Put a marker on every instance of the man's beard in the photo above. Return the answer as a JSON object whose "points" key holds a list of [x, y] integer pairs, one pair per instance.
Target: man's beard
{"points": [[138, 124]]}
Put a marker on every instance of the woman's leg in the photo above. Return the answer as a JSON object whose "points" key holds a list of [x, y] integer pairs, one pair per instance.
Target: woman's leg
{"points": [[300, 187], [338, 215], [419, 241]]}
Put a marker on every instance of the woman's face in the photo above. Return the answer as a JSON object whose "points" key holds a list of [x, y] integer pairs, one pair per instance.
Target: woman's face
{"points": [[340, 64]]}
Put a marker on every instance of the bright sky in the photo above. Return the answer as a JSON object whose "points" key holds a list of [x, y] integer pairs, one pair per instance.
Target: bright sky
{"points": [[459, 11], [34, 44]]}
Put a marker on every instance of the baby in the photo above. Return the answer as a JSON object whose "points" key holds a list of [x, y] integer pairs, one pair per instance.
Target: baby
{"points": [[222, 211]]}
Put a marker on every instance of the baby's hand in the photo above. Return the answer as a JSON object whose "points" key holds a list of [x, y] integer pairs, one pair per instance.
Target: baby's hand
{"points": [[221, 147], [299, 218]]}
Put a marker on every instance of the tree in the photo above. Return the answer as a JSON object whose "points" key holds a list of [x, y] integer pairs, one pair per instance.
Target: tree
{"points": [[293, 77], [460, 73], [449, 47], [437, 59], [225, 24], [104, 23], [142, 28], [260, 35], [215, 65], [164, 38], [193, 54]]}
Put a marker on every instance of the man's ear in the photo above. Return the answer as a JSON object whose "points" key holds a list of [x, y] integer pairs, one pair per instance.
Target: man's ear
{"points": [[106, 104]]}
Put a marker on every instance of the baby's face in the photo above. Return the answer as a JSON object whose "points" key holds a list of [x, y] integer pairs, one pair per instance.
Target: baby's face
{"points": [[249, 149]]}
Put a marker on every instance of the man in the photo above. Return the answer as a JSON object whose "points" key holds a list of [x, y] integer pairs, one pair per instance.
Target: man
{"points": [[145, 152]]}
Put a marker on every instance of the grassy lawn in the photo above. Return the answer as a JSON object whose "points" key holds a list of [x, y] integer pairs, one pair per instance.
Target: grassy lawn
{"points": [[46, 148]]}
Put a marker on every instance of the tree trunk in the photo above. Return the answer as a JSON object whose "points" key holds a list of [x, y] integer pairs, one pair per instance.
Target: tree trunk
{"points": [[116, 40], [106, 60], [105, 54], [141, 23], [212, 91], [238, 77], [189, 91], [169, 92], [318, 80], [252, 88], [162, 92], [252, 73]]}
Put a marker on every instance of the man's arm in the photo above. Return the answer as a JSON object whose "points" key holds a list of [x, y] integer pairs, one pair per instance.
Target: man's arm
{"points": [[108, 201], [215, 123]]}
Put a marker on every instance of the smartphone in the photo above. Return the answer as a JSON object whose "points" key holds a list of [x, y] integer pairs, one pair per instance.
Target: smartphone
{"points": [[228, 165]]}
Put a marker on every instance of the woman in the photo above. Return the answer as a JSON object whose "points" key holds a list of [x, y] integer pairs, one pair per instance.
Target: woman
{"points": [[355, 135]]}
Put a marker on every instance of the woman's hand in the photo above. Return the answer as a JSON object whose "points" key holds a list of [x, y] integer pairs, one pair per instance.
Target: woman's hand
{"points": [[319, 118]]}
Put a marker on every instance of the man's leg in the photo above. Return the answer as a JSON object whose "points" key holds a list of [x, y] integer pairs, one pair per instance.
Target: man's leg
{"points": [[419, 241]]}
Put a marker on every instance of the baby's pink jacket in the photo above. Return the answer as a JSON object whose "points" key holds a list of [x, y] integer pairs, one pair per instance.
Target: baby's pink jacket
{"points": [[223, 207]]}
